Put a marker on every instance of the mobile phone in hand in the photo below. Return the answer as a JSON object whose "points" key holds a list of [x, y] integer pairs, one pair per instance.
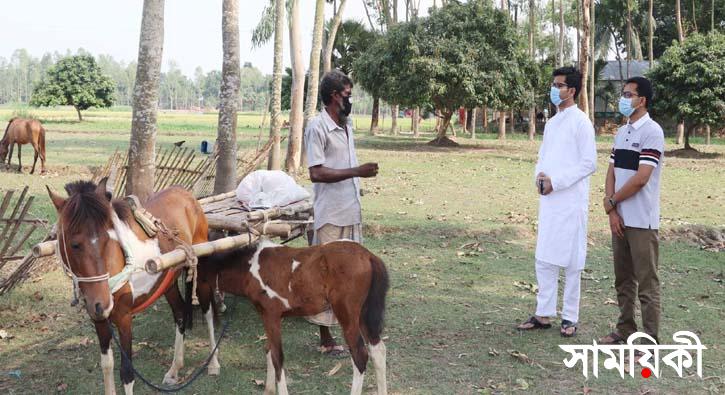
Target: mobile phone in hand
{"points": [[541, 187]]}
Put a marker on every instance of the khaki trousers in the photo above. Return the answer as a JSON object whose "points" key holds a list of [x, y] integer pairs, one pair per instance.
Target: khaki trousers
{"points": [[635, 270]]}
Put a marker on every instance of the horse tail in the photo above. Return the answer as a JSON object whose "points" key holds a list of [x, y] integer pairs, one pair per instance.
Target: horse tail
{"points": [[373, 311], [204, 293]]}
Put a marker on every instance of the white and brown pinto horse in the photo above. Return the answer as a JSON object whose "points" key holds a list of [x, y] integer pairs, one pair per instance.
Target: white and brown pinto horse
{"points": [[23, 131], [281, 281], [103, 249]]}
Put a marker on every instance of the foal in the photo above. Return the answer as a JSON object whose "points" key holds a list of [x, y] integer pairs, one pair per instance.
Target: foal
{"points": [[281, 281]]}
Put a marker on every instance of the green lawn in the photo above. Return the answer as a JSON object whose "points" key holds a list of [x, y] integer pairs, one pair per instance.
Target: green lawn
{"points": [[451, 307]]}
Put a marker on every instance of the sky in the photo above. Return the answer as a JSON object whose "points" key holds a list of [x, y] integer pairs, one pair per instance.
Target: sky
{"points": [[192, 29]]}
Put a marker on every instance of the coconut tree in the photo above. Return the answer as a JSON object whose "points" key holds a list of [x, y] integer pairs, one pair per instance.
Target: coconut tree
{"points": [[225, 179], [142, 149], [294, 142], [274, 162]]}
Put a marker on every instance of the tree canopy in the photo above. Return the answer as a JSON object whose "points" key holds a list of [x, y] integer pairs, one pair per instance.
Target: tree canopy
{"points": [[689, 81], [76, 81], [461, 55]]}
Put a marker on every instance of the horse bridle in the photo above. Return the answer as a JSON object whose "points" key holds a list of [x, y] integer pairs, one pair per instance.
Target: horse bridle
{"points": [[75, 278]]}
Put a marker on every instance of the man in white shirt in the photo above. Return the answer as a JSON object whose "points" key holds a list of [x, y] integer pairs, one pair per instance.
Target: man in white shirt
{"points": [[567, 158]]}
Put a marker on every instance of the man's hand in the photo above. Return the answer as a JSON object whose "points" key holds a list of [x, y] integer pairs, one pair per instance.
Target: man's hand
{"points": [[616, 224], [367, 170], [547, 183]]}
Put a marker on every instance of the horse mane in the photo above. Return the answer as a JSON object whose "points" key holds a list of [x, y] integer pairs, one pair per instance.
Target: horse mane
{"points": [[85, 207]]}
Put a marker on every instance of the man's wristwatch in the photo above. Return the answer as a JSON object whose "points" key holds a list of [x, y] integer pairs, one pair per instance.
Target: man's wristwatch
{"points": [[612, 203]]}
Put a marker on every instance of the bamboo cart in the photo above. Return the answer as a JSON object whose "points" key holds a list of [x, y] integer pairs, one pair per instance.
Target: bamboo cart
{"points": [[224, 213]]}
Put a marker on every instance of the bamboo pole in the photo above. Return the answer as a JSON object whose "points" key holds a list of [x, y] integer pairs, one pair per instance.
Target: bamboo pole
{"points": [[175, 257]]}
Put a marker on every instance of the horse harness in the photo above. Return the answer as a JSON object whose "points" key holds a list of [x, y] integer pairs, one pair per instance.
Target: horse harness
{"points": [[152, 226]]}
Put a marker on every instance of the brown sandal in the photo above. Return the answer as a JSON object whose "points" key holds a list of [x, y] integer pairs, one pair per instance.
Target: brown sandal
{"points": [[612, 338], [535, 324]]}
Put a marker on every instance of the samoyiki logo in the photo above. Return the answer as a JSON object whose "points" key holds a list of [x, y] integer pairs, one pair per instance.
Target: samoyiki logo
{"points": [[635, 145]]}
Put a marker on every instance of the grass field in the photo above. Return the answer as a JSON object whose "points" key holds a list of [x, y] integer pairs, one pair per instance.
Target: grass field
{"points": [[456, 228]]}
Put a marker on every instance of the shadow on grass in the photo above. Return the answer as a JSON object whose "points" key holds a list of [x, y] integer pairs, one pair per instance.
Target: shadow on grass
{"points": [[420, 144], [692, 154]]}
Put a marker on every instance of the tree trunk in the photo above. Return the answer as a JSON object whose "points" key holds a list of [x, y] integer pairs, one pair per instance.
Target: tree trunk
{"points": [[292, 163], [474, 114], [374, 118], [330, 44], [532, 54], [502, 125], [650, 36], [416, 122], [314, 79], [485, 119], [80, 117], [708, 133], [592, 68], [678, 19], [469, 118], [226, 165], [274, 162], [584, 56], [688, 131], [445, 123], [561, 33], [680, 132], [142, 148], [629, 35], [394, 119]]}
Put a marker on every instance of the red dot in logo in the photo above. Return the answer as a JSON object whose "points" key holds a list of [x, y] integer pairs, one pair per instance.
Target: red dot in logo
{"points": [[646, 373]]}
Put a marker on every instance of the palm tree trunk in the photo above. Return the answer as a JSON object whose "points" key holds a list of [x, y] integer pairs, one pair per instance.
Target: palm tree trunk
{"points": [[629, 35], [681, 39], [650, 36], [142, 148], [561, 33], [532, 54], [330, 44], [274, 162], [292, 163], [584, 55], [474, 114], [678, 18], [416, 122], [226, 165], [592, 46], [484, 110], [314, 76]]}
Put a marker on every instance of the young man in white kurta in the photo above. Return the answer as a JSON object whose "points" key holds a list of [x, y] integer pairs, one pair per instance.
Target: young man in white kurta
{"points": [[567, 158]]}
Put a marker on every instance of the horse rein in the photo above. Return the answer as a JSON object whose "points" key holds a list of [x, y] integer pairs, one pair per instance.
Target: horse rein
{"points": [[75, 278]]}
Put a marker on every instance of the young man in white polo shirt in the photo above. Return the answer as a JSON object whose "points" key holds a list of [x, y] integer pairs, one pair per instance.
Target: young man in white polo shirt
{"points": [[335, 174], [633, 203]]}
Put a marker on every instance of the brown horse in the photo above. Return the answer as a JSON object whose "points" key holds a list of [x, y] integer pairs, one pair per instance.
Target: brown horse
{"points": [[281, 281], [24, 131], [103, 249]]}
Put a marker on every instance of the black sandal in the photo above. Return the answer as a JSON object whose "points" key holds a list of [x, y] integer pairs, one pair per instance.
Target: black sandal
{"points": [[536, 324], [566, 324]]}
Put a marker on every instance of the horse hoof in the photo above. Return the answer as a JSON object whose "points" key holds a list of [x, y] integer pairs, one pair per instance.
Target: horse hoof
{"points": [[170, 380], [213, 370]]}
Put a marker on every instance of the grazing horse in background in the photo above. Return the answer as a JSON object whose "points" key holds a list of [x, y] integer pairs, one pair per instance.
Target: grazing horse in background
{"points": [[104, 249], [23, 131], [282, 281]]}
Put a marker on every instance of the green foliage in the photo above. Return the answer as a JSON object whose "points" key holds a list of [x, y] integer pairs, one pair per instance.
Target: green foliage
{"points": [[689, 80], [351, 41], [461, 55], [76, 81]]}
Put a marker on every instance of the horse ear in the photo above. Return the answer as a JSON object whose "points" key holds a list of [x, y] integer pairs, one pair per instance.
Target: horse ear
{"points": [[57, 200], [102, 189]]}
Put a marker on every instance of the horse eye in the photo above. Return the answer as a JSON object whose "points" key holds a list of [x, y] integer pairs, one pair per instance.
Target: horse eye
{"points": [[75, 246]]}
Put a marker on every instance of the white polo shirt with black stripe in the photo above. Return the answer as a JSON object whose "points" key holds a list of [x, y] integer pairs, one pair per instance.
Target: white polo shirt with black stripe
{"points": [[639, 144]]}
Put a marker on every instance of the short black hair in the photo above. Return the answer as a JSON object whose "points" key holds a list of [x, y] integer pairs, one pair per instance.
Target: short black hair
{"points": [[333, 81], [644, 88], [573, 78]]}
